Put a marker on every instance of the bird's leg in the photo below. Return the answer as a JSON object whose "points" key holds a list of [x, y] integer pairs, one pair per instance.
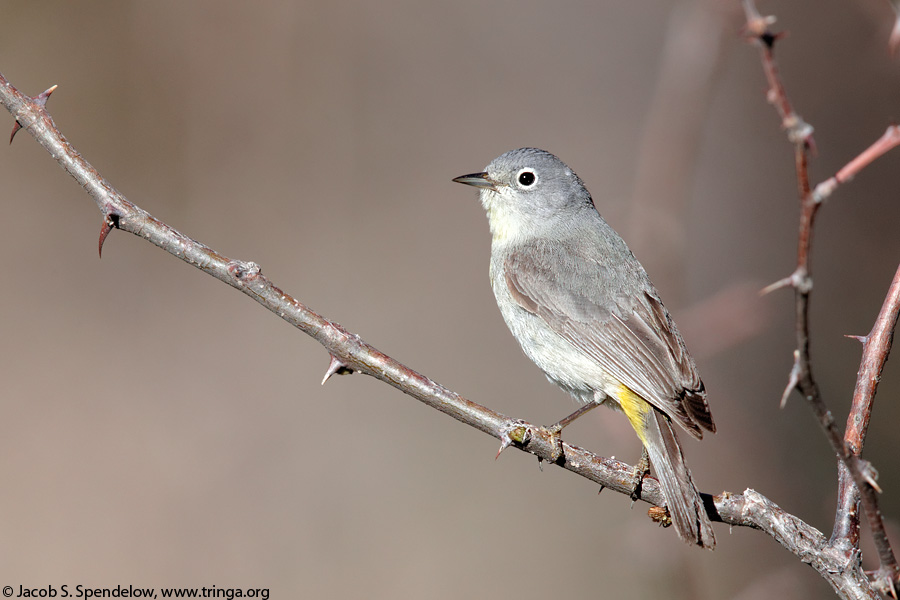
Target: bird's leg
{"points": [[640, 470], [557, 427]]}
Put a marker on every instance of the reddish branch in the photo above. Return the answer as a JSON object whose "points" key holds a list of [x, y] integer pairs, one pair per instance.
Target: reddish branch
{"points": [[889, 140], [853, 469], [876, 347], [758, 29]]}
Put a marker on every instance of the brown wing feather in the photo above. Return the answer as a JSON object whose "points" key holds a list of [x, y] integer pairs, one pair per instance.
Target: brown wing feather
{"points": [[630, 335]]}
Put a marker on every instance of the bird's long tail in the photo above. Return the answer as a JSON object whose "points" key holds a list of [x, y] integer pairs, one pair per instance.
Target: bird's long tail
{"points": [[682, 498]]}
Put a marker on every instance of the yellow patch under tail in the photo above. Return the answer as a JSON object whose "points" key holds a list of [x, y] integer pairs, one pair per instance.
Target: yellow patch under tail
{"points": [[635, 408]]}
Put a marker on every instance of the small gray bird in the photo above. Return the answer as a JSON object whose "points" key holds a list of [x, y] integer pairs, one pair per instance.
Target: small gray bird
{"points": [[584, 310]]}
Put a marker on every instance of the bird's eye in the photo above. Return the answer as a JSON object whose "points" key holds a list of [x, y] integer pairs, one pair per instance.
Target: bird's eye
{"points": [[526, 178]]}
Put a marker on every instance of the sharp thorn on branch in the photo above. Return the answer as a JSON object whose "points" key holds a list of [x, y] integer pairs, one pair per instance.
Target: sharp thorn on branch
{"points": [[15, 129], [799, 279], [110, 220], [40, 99], [515, 432], [870, 474], [105, 228], [781, 283], [793, 380], [862, 339], [43, 96], [505, 442], [336, 367]]}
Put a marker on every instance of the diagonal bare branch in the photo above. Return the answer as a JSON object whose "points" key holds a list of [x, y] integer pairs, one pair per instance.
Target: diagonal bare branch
{"points": [[876, 348]]}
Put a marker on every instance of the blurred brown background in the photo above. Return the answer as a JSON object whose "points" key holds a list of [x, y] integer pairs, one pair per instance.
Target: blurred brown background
{"points": [[160, 429]]}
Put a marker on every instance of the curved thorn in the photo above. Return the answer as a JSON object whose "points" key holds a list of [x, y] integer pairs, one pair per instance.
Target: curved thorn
{"points": [[40, 99], [43, 96], [105, 227], [15, 130]]}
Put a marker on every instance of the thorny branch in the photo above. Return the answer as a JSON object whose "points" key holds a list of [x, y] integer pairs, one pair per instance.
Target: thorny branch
{"points": [[862, 475], [876, 347]]}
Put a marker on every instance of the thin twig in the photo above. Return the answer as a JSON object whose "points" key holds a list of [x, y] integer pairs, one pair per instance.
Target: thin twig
{"points": [[889, 140], [758, 29]]}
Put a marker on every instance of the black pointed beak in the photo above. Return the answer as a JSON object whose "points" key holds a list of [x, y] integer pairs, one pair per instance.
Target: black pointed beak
{"points": [[479, 180]]}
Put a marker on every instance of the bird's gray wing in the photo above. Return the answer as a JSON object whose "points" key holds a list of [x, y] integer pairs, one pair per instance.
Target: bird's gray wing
{"points": [[612, 313]]}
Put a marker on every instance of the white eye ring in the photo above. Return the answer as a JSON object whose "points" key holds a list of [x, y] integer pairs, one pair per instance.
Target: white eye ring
{"points": [[526, 178]]}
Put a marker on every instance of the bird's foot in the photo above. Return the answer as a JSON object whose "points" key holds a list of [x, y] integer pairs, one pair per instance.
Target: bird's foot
{"points": [[640, 471]]}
